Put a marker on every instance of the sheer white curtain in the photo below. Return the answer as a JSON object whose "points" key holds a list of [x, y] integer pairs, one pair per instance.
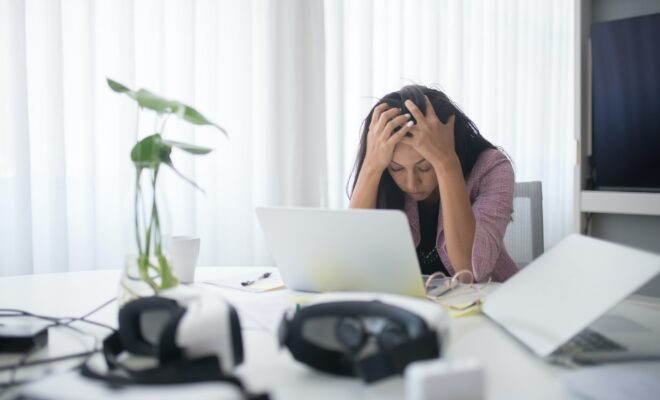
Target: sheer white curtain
{"points": [[254, 67], [507, 63], [290, 80]]}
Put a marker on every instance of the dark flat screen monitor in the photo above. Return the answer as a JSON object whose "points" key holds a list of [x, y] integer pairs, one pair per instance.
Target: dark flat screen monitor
{"points": [[626, 103]]}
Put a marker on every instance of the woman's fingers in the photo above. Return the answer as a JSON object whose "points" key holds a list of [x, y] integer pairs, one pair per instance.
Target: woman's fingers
{"points": [[395, 123], [386, 116], [400, 134], [450, 122], [375, 117], [415, 111], [430, 111]]}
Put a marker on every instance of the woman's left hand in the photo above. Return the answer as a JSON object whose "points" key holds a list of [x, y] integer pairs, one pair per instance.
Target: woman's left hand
{"points": [[429, 136]]}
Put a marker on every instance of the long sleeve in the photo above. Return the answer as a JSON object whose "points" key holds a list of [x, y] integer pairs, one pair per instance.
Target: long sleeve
{"points": [[492, 210], [490, 187]]}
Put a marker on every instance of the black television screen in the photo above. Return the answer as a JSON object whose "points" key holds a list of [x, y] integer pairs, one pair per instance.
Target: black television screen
{"points": [[626, 103]]}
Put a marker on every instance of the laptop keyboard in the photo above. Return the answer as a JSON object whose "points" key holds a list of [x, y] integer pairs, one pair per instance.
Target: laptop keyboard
{"points": [[588, 341]]}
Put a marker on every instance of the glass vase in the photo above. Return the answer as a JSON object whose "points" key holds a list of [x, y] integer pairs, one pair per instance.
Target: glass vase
{"points": [[148, 269]]}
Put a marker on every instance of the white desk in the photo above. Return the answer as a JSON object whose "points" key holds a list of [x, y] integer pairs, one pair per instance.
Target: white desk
{"points": [[512, 372]]}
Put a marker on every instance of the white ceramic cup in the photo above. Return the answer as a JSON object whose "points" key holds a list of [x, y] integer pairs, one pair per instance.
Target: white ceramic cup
{"points": [[184, 251]]}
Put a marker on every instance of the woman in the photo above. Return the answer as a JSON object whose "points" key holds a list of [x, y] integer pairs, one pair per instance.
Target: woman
{"points": [[419, 153]]}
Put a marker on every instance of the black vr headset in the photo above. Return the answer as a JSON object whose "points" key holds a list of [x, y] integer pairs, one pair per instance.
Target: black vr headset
{"points": [[372, 336], [192, 336]]}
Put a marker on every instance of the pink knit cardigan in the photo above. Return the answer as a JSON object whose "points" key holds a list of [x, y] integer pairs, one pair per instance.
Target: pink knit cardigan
{"points": [[490, 188]]}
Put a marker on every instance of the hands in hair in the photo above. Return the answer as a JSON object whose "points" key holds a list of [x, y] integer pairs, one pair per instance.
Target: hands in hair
{"points": [[380, 139], [429, 136]]}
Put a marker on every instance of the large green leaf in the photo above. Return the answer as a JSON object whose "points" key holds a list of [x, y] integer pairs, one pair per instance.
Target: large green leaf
{"points": [[150, 152], [161, 105], [154, 102], [195, 117], [168, 161], [117, 87], [190, 148]]}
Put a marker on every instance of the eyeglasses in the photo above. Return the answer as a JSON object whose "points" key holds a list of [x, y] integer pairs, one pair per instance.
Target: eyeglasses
{"points": [[466, 295]]}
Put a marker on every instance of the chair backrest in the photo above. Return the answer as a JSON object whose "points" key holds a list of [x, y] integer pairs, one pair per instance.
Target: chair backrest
{"points": [[524, 235]]}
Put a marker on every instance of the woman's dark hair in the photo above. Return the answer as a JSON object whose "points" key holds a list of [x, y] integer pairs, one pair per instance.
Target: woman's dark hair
{"points": [[468, 142]]}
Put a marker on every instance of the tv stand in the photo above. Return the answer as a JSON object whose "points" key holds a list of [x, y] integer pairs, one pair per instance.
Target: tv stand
{"points": [[586, 199], [608, 202]]}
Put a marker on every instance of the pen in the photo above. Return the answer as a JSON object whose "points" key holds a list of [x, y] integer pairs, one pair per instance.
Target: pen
{"points": [[260, 277]]}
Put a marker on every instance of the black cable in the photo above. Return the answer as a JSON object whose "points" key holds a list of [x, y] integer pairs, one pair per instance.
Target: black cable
{"points": [[98, 308], [21, 363], [87, 355], [64, 322], [587, 223], [23, 360], [61, 320], [50, 360]]}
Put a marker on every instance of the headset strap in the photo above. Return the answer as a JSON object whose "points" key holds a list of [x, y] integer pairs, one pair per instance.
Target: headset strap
{"points": [[313, 355], [205, 369], [393, 361], [378, 366]]}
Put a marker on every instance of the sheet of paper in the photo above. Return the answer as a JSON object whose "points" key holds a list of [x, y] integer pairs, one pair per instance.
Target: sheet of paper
{"points": [[254, 282], [264, 311], [634, 380], [465, 294]]}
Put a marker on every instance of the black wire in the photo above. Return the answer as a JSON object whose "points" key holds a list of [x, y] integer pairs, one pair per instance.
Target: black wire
{"points": [[98, 308], [587, 223], [86, 354], [50, 360], [22, 362], [64, 322]]}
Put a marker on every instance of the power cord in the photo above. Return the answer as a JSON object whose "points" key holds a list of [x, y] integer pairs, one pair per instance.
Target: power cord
{"points": [[587, 223], [65, 322]]}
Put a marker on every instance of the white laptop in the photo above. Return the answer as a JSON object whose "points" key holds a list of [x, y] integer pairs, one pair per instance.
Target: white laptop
{"points": [[323, 250], [558, 305]]}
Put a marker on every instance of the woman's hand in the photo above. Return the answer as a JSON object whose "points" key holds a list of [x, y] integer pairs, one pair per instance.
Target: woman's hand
{"points": [[380, 140], [430, 137]]}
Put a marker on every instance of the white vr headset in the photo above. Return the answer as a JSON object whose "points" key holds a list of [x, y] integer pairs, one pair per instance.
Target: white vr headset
{"points": [[194, 336], [368, 335]]}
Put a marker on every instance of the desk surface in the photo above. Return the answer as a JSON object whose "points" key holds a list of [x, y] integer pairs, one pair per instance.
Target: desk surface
{"points": [[512, 372]]}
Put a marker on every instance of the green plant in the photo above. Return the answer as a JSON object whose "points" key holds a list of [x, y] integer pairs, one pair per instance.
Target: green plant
{"points": [[148, 155]]}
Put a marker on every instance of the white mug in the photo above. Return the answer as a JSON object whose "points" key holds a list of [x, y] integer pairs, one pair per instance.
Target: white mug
{"points": [[184, 251]]}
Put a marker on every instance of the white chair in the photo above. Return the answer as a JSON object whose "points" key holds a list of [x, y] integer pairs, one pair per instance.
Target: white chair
{"points": [[524, 235]]}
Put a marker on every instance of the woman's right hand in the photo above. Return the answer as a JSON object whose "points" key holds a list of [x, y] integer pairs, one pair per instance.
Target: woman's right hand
{"points": [[380, 140]]}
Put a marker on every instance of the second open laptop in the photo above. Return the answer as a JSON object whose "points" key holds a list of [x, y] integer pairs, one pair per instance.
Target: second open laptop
{"points": [[559, 305], [323, 250]]}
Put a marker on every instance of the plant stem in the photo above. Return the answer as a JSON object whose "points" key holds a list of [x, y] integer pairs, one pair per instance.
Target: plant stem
{"points": [[137, 203], [167, 279], [156, 224], [163, 269], [154, 214], [143, 267]]}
